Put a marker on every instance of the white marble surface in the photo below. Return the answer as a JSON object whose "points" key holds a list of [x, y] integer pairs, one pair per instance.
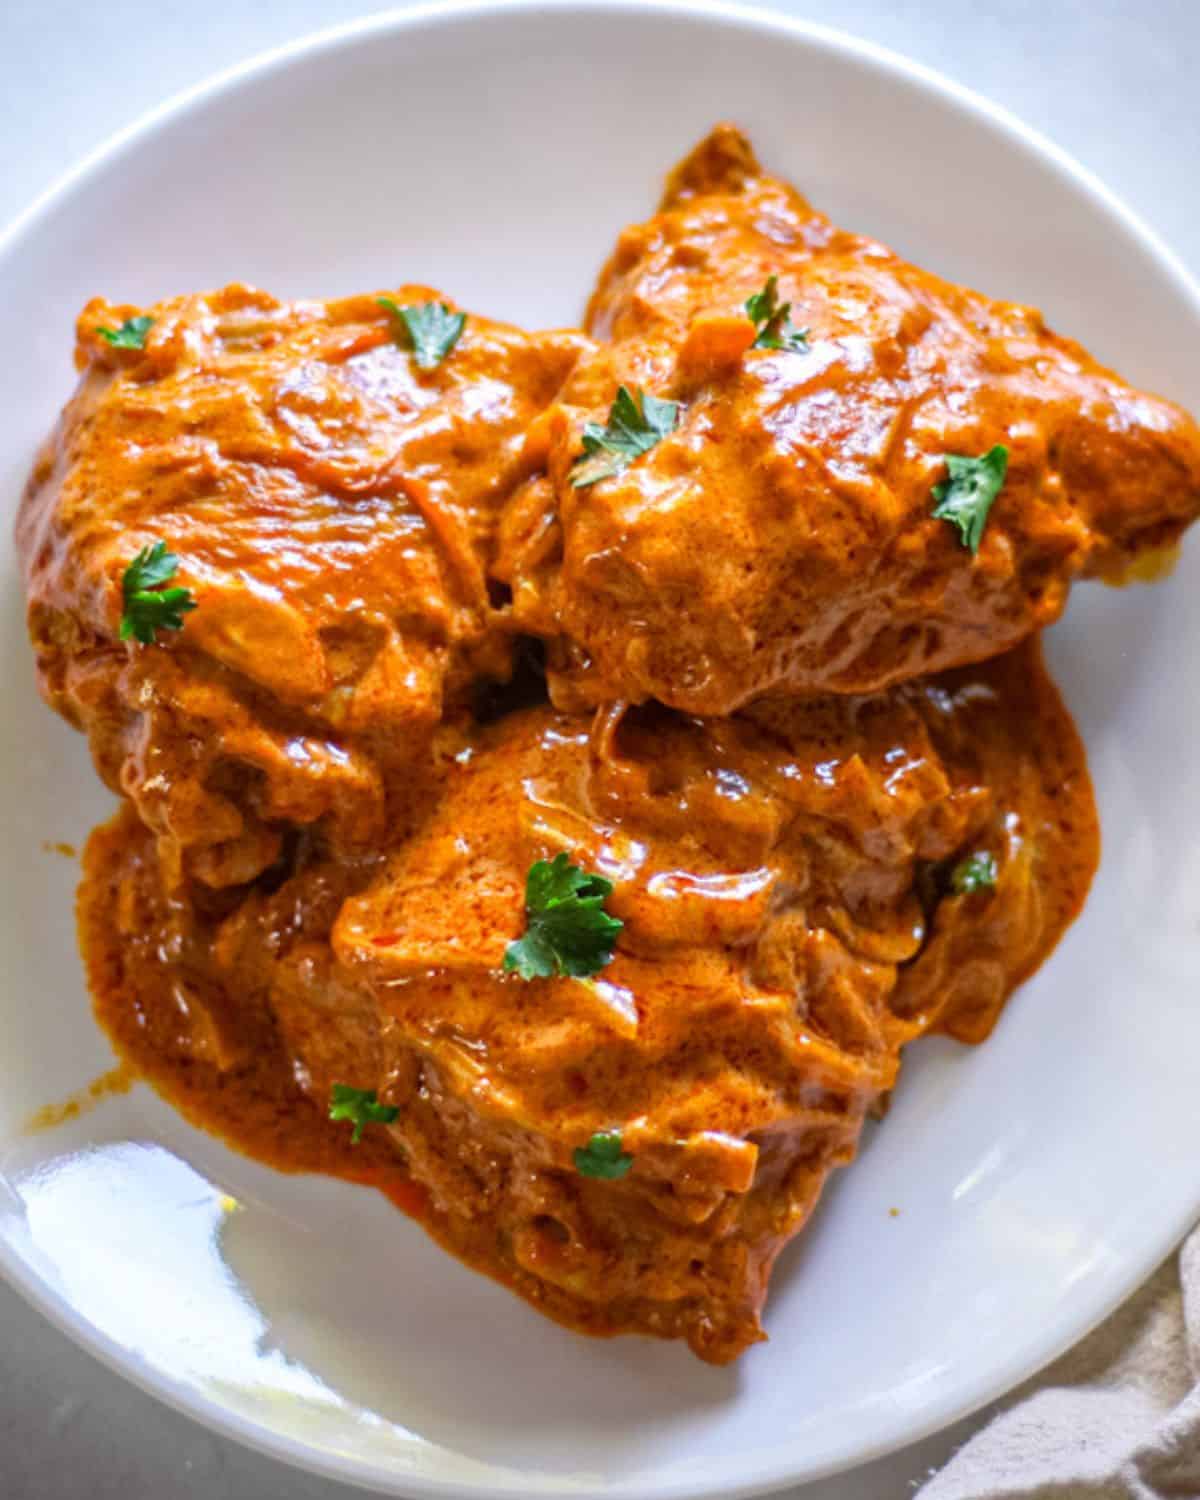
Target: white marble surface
{"points": [[1113, 81]]}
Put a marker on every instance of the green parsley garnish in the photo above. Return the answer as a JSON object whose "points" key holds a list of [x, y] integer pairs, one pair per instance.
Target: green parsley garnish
{"points": [[965, 498], [430, 329], [148, 606], [773, 320], [977, 872], [566, 929], [131, 334], [636, 422], [603, 1157], [360, 1105]]}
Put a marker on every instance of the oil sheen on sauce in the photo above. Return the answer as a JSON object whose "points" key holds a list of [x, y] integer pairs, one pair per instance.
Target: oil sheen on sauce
{"points": [[211, 1046]]}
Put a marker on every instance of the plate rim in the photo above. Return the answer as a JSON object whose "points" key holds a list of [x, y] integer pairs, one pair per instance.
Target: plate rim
{"points": [[777, 1470]]}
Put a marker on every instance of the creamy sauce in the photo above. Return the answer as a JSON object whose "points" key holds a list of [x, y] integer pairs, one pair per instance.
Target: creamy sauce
{"points": [[257, 1107], [782, 538], [118, 1080], [422, 659], [717, 1020]]}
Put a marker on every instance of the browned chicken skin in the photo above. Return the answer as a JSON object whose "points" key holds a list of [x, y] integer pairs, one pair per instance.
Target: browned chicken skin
{"points": [[332, 507], [883, 825], [782, 539]]}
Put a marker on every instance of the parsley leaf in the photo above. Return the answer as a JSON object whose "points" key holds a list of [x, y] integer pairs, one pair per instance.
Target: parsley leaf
{"points": [[977, 872], [431, 329], [636, 422], [148, 606], [131, 334], [603, 1157], [362, 1106], [567, 931], [773, 320], [965, 498]]}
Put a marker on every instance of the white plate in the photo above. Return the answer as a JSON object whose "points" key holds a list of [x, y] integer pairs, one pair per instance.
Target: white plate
{"points": [[495, 150]]}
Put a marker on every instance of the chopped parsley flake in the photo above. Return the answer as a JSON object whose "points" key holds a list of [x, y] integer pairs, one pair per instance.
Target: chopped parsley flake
{"points": [[773, 320], [636, 423], [603, 1157], [429, 329], [966, 496], [567, 931], [131, 334], [361, 1106], [149, 607], [977, 872]]}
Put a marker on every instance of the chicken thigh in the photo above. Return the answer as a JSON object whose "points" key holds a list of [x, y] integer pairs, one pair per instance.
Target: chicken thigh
{"points": [[890, 476], [802, 891], [327, 483]]}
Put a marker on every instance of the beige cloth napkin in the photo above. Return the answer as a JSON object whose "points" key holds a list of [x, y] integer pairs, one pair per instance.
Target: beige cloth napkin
{"points": [[1118, 1418]]}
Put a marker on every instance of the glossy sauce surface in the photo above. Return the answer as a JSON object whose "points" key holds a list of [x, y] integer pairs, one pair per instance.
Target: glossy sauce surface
{"points": [[331, 506], [750, 680], [783, 878], [781, 539]]}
